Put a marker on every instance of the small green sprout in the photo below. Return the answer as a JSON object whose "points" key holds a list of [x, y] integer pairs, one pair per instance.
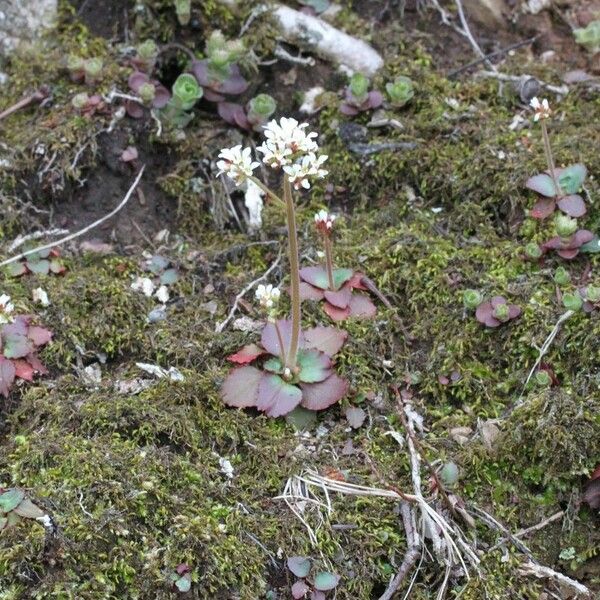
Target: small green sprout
{"points": [[92, 69], [573, 301], [260, 108], [400, 91], [186, 91], [472, 299], [80, 101], [593, 294], [359, 87], [147, 53], [183, 9], [589, 36], [561, 276], [543, 379], [533, 251], [502, 312], [565, 226], [147, 93]]}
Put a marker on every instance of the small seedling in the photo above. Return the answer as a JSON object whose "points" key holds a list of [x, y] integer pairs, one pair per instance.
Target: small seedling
{"points": [[151, 93], [358, 98], [472, 299], [400, 91], [146, 57], [183, 10], [306, 586], [253, 117], [496, 311], [15, 505], [185, 93], [589, 37], [182, 578], [41, 262]]}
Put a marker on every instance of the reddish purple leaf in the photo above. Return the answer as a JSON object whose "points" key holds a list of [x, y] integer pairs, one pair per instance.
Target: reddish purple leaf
{"points": [[375, 99], [228, 111], [309, 292], [485, 314], [200, 72], [246, 355], [161, 96], [348, 109], [270, 340], [318, 396], [316, 276], [497, 300], [7, 376], [335, 313], [581, 237], [299, 590], [341, 298], [240, 387], [211, 96], [326, 339], [39, 336], [36, 363], [235, 84], [277, 397], [543, 208], [568, 253], [355, 282], [542, 184], [20, 325], [553, 244], [317, 595], [513, 311], [16, 345], [136, 80], [361, 306], [23, 369], [573, 206], [134, 109]]}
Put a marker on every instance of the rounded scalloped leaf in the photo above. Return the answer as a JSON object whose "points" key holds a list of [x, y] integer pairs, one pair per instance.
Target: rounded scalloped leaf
{"points": [[161, 96], [309, 292], [340, 298], [314, 366], [591, 247], [361, 306], [571, 178], [39, 335], [29, 510], [325, 581], [299, 565], [23, 369], [40, 267], [16, 269], [326, 339], [212, 96], [301, 418], [299, 590], [16, 345], [355, 416], [543, 208], [485, 314], [568, 253], [169, 277], [513, 311], [375, 99], [335, 313], [573, 205], [7, 375], [319, 396], [273, 365], [348, 109], [316, 276], [235, 84], [10, 499], [136, 80], [581, 237], [497, 300], [340, 276], [276, 397], [240, 388], [134, 110], [246, 354], [542, 184], [270, 340], [231, 112]]}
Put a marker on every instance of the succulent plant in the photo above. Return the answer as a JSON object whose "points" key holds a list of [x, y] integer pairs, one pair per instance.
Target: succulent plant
{"points": [[561, 276], [253, 117], [572, 301], [152, 93], [92, 69], [146, 56], [472, 299], [183, 10], [358, 98], [496, 311], [400, 91], [533, 251]]}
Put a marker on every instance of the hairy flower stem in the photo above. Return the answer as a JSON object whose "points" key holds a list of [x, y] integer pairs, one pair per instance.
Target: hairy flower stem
{"points": [[280, 340], [549, 157], [329, 263], [294, 273]]}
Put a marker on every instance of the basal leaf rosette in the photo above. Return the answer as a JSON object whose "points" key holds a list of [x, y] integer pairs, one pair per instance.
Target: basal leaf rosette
{"points": [[274, 389], [496, 311], [569, 247], [342, 301], [570, 180]]}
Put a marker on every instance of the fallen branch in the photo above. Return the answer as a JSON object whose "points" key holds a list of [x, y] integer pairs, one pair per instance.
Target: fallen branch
{"points": [[469, 35], [541, 572], [81, 232], [220, 326], [37, 96]]}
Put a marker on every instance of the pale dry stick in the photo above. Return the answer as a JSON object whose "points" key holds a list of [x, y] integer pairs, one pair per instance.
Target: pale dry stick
{"points": [[38, 96], [36, 235], [83, 231], [413, 551], [562, 90], [220, 326], [469, 35], [541, 572]]}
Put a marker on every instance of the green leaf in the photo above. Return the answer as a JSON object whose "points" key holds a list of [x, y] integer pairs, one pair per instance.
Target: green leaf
{"points": [[16, 269], [592, 246], [301, 418], [299, 565], [11, 499], [571, 179], [314, 366], [157, 264], [169, 277], [184, 584], [340, 276], [16, 345], [276, 397], [325, 581], [41, 267], [542, 184], [274, 365]]}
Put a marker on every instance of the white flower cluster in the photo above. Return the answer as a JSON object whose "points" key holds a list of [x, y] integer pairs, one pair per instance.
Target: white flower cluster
{"points": [[267, 295], [287, 146], [541, 109], [6, 307], [148, 288], [236, 163], [324, 221]]}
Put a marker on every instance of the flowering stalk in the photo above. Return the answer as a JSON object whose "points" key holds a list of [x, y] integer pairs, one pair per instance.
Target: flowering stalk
{"points": [[324, 223], [329, 263], [294, 272], [542, 113]]}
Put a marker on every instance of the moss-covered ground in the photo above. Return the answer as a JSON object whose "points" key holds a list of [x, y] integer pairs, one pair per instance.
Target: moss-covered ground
{"points": [[134, 480]]}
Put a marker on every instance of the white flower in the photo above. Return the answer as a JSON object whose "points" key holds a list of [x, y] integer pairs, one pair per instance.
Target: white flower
{"points": [[542, 109], [162, 294], [267, 295], [144, 285], [237, 164], [290, 134], [309, 166], [40, 296], [6, 307], [276, 155], [324, 221]]}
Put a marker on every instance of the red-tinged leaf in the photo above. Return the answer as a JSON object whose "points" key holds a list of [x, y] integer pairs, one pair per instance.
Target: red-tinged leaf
{"points": [[581, 237], [356, 283], [23, 369], [348, 109], [568, 253], [595, 473], [299, 590], [240, 388], [241, 120], [136, 80], [309, 292], [485, 314], [39, 335], [20, 326], [246, 355], [7, 376], [16, 269], [212, 96], [314, 366], [574, 206], [341, 298], [513, 311], [276, 397], [591, 495], [326, 339], [361, 306], [235, 84], [543, 208], [134, 109], [40, 267], [36, 364], [161, 96], [335, 313], [542, 184], [227, 111], [497, 301], [316, 276], [317, 595], [318, 396], [553, 243], [15, 345], [355, 416], [57, 267], [200, 72], [375, 99], [299, 566], [270, 340]]}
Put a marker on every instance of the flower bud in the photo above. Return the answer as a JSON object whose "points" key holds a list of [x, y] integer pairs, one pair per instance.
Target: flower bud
{"points": [[261, 107], [565, 226], [472, 299], [502, 312], [561, 276]]}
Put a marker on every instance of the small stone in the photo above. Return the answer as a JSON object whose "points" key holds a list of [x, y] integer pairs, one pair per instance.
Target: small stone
{"points": [[461, 434]]}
